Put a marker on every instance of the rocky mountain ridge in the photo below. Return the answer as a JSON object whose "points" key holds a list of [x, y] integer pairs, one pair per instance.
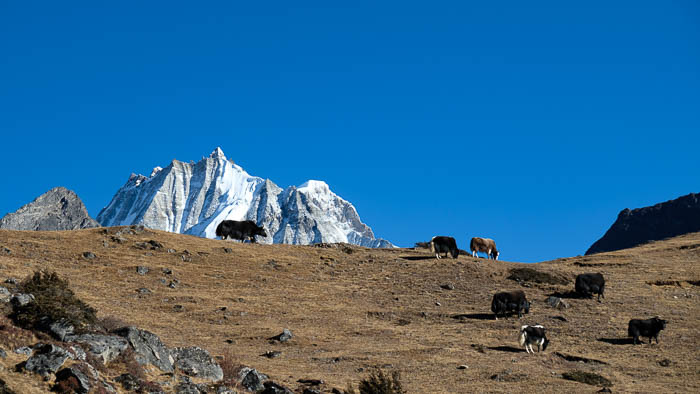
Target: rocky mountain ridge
{"points": [[57, 209], [641, 225]]}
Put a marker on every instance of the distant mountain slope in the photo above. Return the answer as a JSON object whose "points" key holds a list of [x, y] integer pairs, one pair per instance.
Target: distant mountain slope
{"points": [[57, 209], [641, 225], [193, 198]]}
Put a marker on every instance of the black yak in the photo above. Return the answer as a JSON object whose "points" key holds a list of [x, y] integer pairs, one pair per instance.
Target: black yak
{"points": [[239, 230]]}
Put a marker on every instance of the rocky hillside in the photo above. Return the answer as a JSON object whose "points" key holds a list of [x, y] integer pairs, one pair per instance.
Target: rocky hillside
{"points": [[347, 309], [57, 209], [664, 220], [193, 198]]}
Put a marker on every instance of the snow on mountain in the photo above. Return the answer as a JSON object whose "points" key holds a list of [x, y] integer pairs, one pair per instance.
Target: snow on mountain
{"points": [[193, 198]]}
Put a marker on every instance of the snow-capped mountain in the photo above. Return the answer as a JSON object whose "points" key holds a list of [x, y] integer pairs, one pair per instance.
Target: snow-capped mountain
{"points": [[193, 198]]}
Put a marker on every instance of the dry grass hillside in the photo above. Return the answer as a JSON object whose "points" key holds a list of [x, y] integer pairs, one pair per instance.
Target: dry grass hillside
{"points": [[351, 308]]}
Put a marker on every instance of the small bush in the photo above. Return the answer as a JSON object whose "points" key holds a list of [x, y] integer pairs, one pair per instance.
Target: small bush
{"points": [[532, 275], [587, 377], [53, 300], [66, 386], [12, 337], [379, 383]]}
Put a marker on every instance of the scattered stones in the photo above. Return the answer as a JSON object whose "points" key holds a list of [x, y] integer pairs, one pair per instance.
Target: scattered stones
{"points": [[167, 271], [228, 250], [89, 255], [448, 286], [274, 388], [11, 281], [171, 250], [20, 299], [4, 294], [148, 348], [283, 337], [186, 258], [173, 283], [178, 308], [251, 379], [3, 353], [463, 366], [5, 251], [272, 354], [105, 244], [143, 290], [61, 329], [150, 245], [106, 347], [47, 359], [197, 362], [141, 270], [119, 239], [665, 362]]}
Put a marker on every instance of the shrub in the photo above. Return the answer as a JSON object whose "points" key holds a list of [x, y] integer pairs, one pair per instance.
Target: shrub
{"points": [[12, 336], [532, 275], [53, 300], [379, 383], [587, 377]]}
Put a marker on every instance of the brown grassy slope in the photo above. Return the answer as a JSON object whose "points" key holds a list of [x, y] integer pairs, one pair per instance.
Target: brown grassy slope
{"points": [[350, 311]]}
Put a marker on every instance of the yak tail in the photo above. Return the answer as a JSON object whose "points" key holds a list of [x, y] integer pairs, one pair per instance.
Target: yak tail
{"points": [[522, 338], [432, 246]]}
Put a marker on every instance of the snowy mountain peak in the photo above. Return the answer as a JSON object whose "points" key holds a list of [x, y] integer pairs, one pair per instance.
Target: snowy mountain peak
{"points": [[194, 198], [218, 154]]}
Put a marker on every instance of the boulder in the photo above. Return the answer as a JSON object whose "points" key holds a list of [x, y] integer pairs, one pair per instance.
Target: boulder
{"points": [[47, 359], [556, 302], [283, 337], [148, 348], [59, 329], [20, 299], [4, 294], [107, 347], [141, 270], [196, 362], [251, 379], [75, 373], [274, 388]]}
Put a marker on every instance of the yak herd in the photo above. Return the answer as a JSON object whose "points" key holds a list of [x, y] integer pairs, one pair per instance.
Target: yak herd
{"points": [[503, 303]]}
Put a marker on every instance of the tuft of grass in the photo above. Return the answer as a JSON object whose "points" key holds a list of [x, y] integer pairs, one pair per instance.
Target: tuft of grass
{"points": [[587, 377], [379, 383], [531, 275], [53, 300]]}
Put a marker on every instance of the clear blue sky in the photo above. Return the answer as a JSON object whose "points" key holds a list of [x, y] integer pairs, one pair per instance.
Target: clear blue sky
{"points": [[533, 123]]}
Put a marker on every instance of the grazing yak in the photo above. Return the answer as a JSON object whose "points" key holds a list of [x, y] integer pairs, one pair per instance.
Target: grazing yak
{"points": [[485, 245], [508, 302], [239, 230], [530, 335], [444, 245], [646, 328], [589, 284]]}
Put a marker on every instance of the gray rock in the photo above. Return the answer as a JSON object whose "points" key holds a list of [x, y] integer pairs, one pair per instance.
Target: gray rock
{"points": [[448, 286], [73, 372], [47, 359], [141, 270], [173, 283], [128, 381], [11, 281], [190, 388], [556, 302], [3, 353], [76, 352], [4, 294], [107, 347], [251, 379], [225, 390], [26, 350], [167, 271], [57, 209], [272, 354], [61, 329], [171, 251], [283, 337], [6, 251], [20, 299], [89, 255], [148, 348], [196, 362], [143, 290]]}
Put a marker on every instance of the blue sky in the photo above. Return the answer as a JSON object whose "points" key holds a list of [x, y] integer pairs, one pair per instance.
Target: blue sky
{"points": [[533, 123]]}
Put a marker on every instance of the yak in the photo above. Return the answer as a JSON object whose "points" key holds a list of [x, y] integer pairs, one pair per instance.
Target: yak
{"points": [[589, 284], [485, 245], [508, 302], [530, 335], [646, 328], [440, 244], [239, 230]]}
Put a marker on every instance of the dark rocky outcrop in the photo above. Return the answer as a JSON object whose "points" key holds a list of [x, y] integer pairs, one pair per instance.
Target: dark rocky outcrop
{"points": [[107, 347], [664, 220], [47, 359], [57, 209]]}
